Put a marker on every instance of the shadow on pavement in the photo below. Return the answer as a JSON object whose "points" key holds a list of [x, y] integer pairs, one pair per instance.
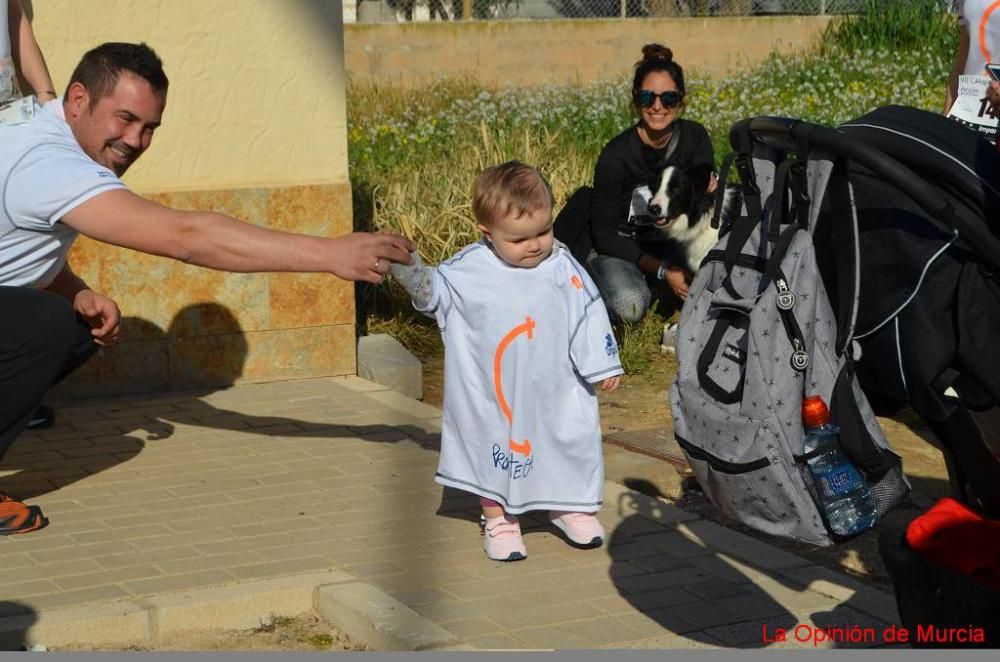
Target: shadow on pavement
{"points": [[81, 444], [16, 619], [663, 569]]}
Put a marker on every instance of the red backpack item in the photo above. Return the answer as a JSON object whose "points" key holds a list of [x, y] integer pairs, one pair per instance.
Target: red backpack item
{"points": [[955, 536]]}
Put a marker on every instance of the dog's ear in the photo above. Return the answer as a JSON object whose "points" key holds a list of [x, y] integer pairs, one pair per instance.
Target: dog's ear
{"points": [[700, 175]]}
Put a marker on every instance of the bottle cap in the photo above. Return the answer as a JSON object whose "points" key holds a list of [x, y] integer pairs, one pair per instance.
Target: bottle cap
{"points": [[814, 412]]}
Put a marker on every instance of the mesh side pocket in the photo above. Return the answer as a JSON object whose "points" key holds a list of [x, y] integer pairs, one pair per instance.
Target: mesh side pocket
{"points": [[809, 481], [890, 491]]}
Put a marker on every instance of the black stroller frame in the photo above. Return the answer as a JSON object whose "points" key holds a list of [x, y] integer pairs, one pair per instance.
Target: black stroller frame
{"points": [[924, 295], [969, 431]]}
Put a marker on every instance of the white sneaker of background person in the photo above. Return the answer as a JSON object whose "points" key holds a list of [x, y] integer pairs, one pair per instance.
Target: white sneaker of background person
{"points": [[668, 342]]}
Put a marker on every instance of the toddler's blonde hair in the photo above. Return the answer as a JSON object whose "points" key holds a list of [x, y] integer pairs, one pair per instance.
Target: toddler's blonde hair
{"points": [[509, 189]]}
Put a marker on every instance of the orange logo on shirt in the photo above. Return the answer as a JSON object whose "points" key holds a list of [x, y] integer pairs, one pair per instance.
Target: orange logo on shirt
{"points": [[524, 447], [983, 47], [577, 283]]}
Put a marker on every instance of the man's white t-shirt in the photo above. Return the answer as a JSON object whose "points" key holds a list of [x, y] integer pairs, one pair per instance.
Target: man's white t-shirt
{"points": [[44, 174], [981, 19], [522, 348]]}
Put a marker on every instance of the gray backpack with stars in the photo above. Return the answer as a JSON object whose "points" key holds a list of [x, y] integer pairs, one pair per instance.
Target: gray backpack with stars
{"points": [[758, 333]]}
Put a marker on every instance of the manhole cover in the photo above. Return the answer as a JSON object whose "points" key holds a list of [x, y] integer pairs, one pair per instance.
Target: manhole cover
{"points": [[656, 442]]}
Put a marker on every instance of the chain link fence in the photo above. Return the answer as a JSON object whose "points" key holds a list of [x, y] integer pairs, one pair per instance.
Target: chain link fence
{"points": [[381, 11]]}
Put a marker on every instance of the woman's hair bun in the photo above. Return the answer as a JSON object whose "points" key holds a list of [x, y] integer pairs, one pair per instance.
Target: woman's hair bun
{"points": [[656, 52]]}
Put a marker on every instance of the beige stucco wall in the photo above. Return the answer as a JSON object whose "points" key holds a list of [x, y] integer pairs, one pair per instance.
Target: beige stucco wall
{"points": [[255, 127], [512, 53], [256, 86]]}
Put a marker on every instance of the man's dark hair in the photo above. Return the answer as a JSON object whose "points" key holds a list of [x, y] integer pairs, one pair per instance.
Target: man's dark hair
{"points": [[100, 68]]}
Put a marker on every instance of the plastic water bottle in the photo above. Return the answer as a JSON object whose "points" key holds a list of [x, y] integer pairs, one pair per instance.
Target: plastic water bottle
{"points": [[847, 502]]}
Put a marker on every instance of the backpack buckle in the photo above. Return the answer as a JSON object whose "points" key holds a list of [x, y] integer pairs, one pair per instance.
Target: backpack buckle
{"points": [[800, 358], [798, 171], [745, 168]]}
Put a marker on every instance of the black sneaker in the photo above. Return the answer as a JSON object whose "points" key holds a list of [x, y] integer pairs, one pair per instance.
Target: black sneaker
{"points": [[44, 417]]}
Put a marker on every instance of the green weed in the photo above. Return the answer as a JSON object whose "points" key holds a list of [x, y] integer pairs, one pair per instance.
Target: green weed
{"points": [[639, 343], [895, 25]]}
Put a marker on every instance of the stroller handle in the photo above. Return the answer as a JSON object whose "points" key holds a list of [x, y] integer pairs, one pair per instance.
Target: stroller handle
{"points": [[782, 133]]}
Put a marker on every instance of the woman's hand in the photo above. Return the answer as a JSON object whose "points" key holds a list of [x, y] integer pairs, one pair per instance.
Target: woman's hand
{"points": [[678, 279]]}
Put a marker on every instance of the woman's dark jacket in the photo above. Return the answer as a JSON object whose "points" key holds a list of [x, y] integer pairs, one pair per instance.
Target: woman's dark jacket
{"points": [[625, 163]]}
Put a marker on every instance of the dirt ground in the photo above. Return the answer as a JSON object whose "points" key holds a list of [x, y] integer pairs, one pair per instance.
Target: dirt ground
{"points": [[304, 633], [641, 403]]}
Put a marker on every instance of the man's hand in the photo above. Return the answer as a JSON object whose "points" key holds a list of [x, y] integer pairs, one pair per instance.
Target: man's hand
{"points": [[611, 383], [368, 257], [101, 313], [678, 278], [993, 96]]}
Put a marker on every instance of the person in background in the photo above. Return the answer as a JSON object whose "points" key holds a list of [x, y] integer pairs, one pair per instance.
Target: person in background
{"points": [[631, 265], [61, 172], [978, 45], [20, 56]]}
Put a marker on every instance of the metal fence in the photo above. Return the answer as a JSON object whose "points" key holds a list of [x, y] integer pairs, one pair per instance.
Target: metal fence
{"points": [[376, 11]]}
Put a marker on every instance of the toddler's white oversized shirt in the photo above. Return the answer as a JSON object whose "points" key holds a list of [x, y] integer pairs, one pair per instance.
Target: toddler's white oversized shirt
{"points": [[522, 350]]}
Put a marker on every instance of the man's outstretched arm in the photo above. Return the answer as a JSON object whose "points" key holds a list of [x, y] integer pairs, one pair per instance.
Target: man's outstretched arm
{"points": [[213, 240]]}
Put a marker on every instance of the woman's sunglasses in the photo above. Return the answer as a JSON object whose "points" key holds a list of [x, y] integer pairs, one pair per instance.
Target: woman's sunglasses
{"points": [[669, 99]]}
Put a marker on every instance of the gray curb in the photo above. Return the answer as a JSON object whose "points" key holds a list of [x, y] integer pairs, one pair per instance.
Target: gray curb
{"points": [[379, 620], [366, 614]]}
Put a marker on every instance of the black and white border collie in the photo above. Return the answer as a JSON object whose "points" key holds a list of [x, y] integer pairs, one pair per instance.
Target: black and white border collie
{"points": [[682, 208]]}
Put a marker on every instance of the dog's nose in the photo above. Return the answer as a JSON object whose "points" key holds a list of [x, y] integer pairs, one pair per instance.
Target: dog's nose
{"points": [[654, 210]]}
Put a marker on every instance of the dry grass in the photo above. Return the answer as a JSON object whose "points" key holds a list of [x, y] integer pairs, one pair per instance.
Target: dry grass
{"points": [[432, 206], [414, 153]]}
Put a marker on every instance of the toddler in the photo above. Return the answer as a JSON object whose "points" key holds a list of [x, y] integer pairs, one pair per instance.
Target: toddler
{"points": [[526, 336]]}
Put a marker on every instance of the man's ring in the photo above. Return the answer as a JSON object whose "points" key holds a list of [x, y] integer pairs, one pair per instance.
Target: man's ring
{"points": [[378, 261]]}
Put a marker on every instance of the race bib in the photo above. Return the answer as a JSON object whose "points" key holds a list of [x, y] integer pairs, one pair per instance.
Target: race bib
{"points": [[17, 111], [972, 109]]}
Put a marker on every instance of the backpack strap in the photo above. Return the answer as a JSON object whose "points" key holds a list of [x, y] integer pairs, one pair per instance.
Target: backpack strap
{"points": [[855, 440], [728, 318], [785, 301], [779, 200], [844, 234], [800, 175], [720, 192], [744, 225], [793, 179]]}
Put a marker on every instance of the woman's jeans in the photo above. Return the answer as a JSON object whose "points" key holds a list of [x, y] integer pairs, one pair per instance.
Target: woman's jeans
{"points": [[622, 286], [627, 292]]}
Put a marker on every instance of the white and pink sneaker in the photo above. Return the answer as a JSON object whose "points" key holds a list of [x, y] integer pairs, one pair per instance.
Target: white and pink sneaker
{"points": [[502, 539], [582, 529]]}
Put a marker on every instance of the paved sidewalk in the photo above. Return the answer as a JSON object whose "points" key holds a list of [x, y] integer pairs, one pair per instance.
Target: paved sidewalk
{"points": [[185, 491]]}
